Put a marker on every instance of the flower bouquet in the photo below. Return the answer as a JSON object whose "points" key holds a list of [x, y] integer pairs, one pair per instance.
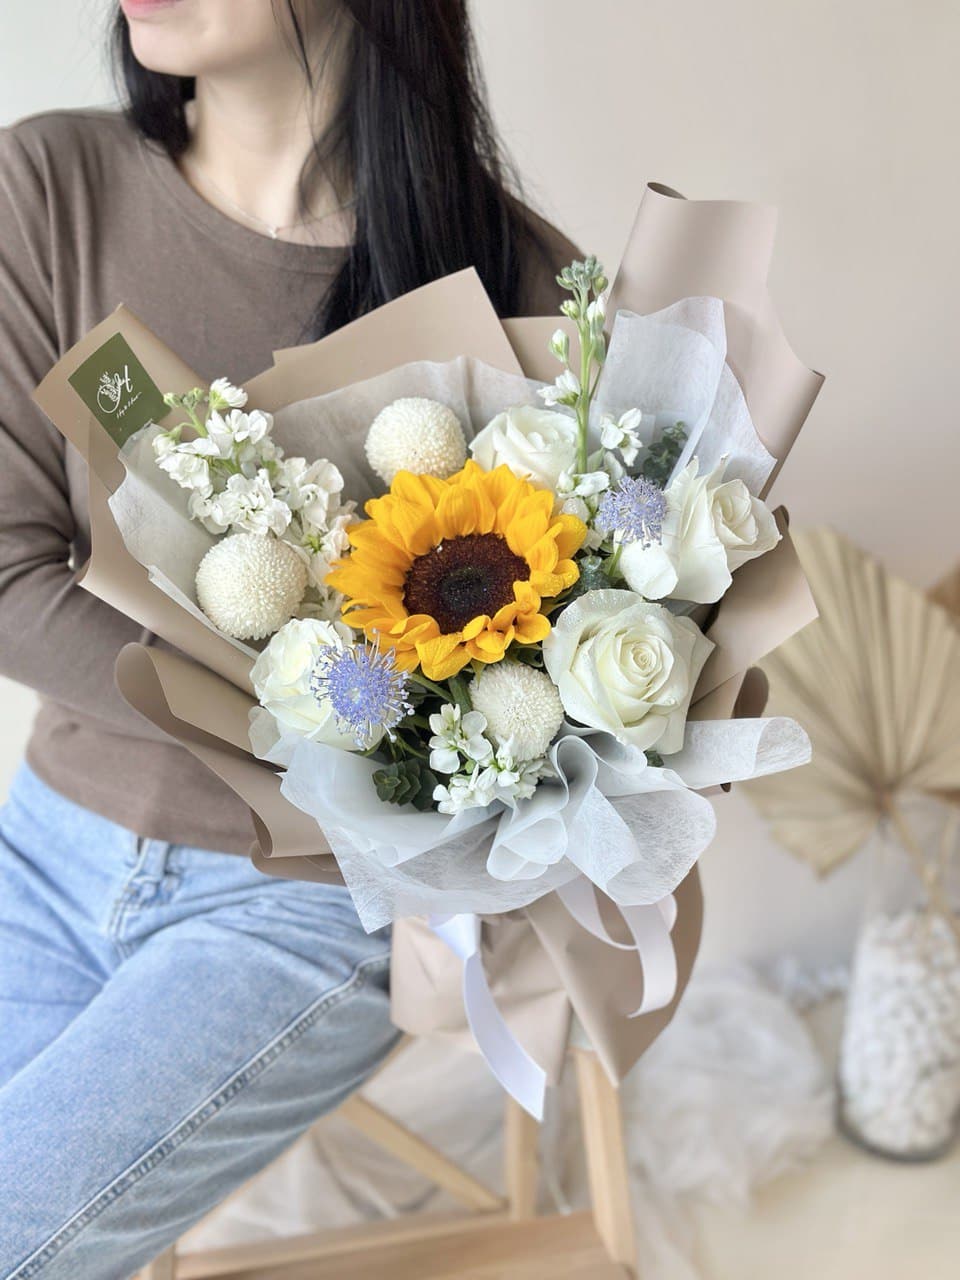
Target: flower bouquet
{"points": [[478, 612]]}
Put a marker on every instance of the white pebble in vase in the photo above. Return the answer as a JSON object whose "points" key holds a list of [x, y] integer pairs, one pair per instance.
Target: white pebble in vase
{"points": [[900, 1056]]}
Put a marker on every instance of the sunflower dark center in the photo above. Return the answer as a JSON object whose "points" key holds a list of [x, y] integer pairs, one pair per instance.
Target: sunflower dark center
{"points": [[463, 578]]}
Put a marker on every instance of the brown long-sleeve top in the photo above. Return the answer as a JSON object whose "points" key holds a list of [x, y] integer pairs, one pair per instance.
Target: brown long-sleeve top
{"points": [[91, 216]]}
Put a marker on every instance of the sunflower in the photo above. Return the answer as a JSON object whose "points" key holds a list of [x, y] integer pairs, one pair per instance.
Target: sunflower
{"points": [[451, 571]]}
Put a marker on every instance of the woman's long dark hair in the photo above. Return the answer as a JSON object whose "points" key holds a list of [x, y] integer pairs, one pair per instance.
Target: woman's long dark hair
{"points": [[413, 133]]}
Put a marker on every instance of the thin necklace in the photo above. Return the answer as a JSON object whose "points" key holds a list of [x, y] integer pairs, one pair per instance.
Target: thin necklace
{"points": [[273, 231]]}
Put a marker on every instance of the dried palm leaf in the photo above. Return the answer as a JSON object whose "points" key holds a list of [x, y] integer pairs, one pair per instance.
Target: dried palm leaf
{"points": [[876, 683], [946, 593]]}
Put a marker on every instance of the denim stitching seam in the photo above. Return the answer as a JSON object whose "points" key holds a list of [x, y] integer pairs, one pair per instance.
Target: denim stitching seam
{"points": [[200, 1116]]}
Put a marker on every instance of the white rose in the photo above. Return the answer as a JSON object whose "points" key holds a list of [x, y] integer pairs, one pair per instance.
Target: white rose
{"points": [[626, 666], [536, 444], [281, 679], [710, 528]]}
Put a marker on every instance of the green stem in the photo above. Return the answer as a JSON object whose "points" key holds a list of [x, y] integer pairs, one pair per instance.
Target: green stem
{"points": [[462, 697], [424, 683], [583, 400], [195, 422], [406, 749]]}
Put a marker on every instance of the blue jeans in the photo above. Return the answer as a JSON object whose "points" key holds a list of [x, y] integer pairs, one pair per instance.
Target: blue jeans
{"points": [[170, 1021]]}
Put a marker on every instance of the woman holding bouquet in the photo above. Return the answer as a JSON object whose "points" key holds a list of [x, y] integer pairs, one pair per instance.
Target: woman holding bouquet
{"points": [[171, 1019]]}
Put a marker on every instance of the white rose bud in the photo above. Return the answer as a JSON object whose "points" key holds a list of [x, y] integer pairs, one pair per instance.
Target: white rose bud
{"points": [[626, 666]]}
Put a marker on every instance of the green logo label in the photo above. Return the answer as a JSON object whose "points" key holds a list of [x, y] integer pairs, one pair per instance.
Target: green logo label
{"points": [[117, 389]]}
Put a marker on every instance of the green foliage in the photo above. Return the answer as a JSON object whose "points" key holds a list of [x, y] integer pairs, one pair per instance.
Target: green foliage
{"points": [[662, 456], [407, 781]]}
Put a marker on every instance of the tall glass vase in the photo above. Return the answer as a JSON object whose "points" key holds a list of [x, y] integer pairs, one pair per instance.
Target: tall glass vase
{"points": [[899, 1073]]}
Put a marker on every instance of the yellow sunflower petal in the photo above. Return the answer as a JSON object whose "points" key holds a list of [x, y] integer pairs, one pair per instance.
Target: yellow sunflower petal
{"points": [[490, 646], [532, 628], [542, 555], [457, 512], [475, 626], [417, 490], [443, 657], [531, 522], [571, 535]]}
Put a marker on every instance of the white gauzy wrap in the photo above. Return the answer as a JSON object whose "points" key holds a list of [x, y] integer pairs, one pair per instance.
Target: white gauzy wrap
{"points": [[632, 829]]}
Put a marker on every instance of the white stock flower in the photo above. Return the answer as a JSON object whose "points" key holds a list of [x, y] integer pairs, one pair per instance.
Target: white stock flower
{"points": [[622, 433], [281, 680], [164, 443], [311, 490], [626, 666], [224, 395], [187, 468], [504, 779], [239, 437], [539, 445], [418, 435], [473, 790], [215, 511], [597, 310], [321, 602], [252, 505], [456, 735], [710, 528], [522, 708], [249, 586], [586, 485], [564, 390]]}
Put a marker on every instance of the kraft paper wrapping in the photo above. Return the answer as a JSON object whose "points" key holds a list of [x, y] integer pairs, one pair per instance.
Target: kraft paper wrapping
{"points": [[111, 573], [682, 248], [541, 963]]}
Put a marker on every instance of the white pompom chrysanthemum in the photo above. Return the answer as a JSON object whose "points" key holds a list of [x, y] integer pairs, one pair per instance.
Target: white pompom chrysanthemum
{"points": [[418, 435], [250, 584], [522, 708]]}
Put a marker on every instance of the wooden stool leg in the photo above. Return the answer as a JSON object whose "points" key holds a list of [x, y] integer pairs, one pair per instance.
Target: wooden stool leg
{"points": [[163, 1267], [607, 1171], [417, 1154], [521, 1135]]}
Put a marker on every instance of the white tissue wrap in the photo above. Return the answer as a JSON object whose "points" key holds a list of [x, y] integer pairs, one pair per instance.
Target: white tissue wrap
{"points": [[634, 830], [672, 366]]}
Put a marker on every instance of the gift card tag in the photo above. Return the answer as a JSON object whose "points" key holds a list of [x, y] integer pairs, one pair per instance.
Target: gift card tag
{"points": [[117, 389]]}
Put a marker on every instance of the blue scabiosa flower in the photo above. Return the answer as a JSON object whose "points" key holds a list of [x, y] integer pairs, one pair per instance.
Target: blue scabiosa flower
{"points": [[634, 511], [366, 690]]}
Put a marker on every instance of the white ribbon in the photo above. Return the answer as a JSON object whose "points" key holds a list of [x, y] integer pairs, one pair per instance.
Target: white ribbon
{"points": [[524, 1079], [649, 927], [517, 1072]]}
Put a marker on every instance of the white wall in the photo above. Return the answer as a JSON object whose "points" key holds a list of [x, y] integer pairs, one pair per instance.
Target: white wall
{"points": [[844, 115]]}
